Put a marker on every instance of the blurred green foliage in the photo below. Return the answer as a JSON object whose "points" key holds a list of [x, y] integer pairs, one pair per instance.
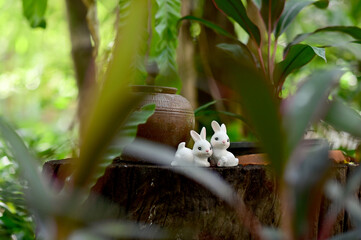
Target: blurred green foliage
{"points": [[37, 87]]}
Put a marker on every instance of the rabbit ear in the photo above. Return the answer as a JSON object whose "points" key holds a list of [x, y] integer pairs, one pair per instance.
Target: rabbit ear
{"points": [[215, 126], [223, 128], [195, 136], [203, 133], [181, 145]]}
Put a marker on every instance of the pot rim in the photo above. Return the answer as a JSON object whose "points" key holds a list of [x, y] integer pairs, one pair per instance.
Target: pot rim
{"points": [[153, 89]]}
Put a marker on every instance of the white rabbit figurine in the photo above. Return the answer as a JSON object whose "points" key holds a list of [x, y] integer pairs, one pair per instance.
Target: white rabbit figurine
{"points": [[220, 142], [183, 156], [202, 149]]}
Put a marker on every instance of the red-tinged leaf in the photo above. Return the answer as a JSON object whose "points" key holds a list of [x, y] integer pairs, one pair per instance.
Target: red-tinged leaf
{"points": [[259, 107], [236, 10], [344, 118], [308, 104], [271, 11]]}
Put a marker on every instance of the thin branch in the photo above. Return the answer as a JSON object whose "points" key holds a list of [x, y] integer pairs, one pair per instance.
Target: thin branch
{"points": [[261, 60]]}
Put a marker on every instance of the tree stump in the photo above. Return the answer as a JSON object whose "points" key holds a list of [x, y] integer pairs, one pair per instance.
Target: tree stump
{"points": [[156, 195]]}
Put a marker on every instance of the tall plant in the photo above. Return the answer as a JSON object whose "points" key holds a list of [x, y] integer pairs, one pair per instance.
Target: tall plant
{"points": [[265, 22], [257, 78]]}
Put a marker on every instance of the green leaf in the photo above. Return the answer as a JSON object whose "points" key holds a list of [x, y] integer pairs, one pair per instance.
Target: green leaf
{"points": [[271, 12], [322, 3], [204, 107], [292, 8], [240, 51], [27, 163], [320, 52], [236, 10], [260, 108], [210, 25], [166, 20], [307, 104], [113, 103], [306, 171], [344, 118], [34, 11], [129, 131], [347, 34], [298, 56]]}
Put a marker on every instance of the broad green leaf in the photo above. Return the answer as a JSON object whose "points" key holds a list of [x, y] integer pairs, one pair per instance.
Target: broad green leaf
{"points": [[27, 163], [204, 107], [320, 52], [207, 112], [344, 118], [292, 8], [114, 102], [210, 25], [353, 31], [322, 3], [239, 50], [139, 59], [307, 104], [298, 56], [166, 19], [271, 12], [129, 131], [355, 6], [34, 11], [347, 34], [259, 107], [203, 110], [236, 10], [307, 169]]}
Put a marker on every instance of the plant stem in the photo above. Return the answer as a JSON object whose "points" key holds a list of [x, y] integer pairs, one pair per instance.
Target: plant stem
{"points": [[261, 60], [270, 63]]}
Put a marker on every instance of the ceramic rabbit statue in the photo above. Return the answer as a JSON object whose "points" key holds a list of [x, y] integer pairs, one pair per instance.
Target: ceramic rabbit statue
{"points": [[183, 156], [202, 149], [220, 142]]}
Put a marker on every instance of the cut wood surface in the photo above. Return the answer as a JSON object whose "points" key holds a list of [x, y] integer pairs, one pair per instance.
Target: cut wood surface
{"points": [[156, 195]]}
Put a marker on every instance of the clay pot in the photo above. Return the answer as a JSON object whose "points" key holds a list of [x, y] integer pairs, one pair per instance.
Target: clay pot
{"points": [[173, 118]]}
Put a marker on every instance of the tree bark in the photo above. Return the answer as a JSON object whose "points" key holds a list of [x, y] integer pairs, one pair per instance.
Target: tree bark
{"points": [[82, 50], [155, 195]]}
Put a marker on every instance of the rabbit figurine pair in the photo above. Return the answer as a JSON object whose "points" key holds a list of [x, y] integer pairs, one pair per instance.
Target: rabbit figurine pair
{"points": [[202, 149], [199, 155]]}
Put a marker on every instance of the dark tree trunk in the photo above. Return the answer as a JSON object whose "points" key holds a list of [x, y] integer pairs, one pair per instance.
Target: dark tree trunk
{"points": [[82, 50]]}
